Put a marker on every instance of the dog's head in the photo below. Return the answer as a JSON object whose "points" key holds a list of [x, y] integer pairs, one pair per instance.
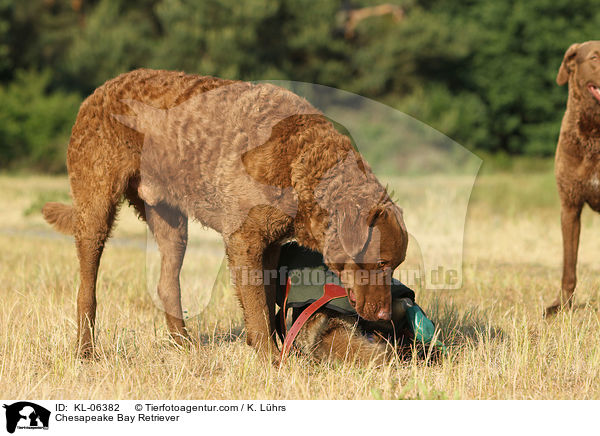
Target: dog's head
{"points": [[581, 69], [364, 246]]}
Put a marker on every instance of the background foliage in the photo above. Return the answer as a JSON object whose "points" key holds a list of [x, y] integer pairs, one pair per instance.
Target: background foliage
{"points": [[480, 71]]}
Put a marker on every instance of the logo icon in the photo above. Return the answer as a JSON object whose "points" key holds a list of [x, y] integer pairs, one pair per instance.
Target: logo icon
{"points": [[26, 415]]}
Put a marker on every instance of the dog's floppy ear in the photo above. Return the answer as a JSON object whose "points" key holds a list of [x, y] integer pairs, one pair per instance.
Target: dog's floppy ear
{"points": [[398, 214], [354, 225], [566, 67], [376, 212], [352, 228]]}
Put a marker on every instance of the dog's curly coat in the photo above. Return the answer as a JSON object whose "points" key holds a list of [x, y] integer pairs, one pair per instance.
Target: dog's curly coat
{"points": [[577, 165], [255, 162]]}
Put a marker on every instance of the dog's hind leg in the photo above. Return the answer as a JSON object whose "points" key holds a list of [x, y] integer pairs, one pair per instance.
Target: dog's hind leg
{"points": [[93, 222], [170, 228]]}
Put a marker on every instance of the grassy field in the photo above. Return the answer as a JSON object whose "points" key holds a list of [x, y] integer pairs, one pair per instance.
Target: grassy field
{"points": [[500, 346]]}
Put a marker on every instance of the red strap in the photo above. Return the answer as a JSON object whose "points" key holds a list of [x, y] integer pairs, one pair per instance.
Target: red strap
{"points": [[330, 292]]}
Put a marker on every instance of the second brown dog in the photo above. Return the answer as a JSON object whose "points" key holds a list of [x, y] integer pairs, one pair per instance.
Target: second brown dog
{"points": [[577, 166]]}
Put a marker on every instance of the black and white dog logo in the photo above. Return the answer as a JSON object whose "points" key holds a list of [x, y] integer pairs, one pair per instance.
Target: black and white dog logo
{"points": [[26, 415]]}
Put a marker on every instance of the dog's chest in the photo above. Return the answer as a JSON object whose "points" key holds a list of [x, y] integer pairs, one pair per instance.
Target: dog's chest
{"points": [[581, 182], [592, 190], [594, 183], [587, 175]]}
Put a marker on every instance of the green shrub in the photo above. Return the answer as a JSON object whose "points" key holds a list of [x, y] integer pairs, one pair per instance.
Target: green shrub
{"points": [[35, 123]]}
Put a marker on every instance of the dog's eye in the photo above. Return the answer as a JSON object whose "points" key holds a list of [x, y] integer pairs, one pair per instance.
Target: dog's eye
{"points": [[595, 57], [381, 264]]}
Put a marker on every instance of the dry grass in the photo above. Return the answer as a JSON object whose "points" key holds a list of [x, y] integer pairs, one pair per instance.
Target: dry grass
{"points": [[500, 347]]}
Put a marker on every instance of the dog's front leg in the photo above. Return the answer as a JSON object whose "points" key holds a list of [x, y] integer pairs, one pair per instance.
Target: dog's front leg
{"points": [[570, 218], [246, 266]]}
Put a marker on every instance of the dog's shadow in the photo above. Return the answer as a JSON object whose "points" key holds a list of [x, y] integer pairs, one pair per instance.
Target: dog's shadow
{"points": [[459, 326], [455, 327], [234, 334], [590, 305], [587, 302]]}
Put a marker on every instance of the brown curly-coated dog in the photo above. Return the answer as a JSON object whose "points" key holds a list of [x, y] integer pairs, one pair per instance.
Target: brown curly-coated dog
{"points": [[577, 165], [255, 162]]}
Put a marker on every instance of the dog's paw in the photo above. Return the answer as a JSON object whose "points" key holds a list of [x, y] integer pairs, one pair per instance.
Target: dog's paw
{"points": [[183, 341], [557, 306], [86, 353]]}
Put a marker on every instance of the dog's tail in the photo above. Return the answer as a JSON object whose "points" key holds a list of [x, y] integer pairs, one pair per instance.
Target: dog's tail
{"points": [[61, 216]]}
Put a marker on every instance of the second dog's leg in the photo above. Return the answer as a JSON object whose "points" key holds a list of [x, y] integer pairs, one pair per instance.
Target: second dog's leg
{"points": [[570, 222], [169, 227]]}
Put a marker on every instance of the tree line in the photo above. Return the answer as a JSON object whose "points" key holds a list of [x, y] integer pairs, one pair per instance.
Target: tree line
{"points": [[480, 71]]}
